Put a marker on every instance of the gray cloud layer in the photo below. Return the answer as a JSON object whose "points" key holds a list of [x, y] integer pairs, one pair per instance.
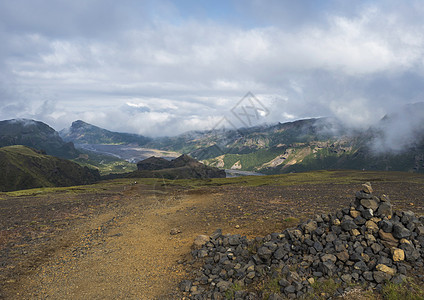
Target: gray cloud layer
{"points": [[164, 68]]}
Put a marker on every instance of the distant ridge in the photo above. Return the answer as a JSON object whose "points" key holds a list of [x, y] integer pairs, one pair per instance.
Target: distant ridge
{"points": [[396, 143], [81, 132]]}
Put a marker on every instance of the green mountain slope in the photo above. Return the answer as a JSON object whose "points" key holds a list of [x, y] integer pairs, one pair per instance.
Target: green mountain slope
{"points": [[36, 135], [310, 144], [83, 133], [23, 168]]}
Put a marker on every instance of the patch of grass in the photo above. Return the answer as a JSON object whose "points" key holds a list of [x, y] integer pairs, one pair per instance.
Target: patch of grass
{"points": [[79, 189], [229, 294], [291, 220], [323, 289], [408, 290], [270, 286]]}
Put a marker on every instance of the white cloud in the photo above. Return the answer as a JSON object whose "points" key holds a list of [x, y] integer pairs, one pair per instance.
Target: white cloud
{"points": [[167, 75]]}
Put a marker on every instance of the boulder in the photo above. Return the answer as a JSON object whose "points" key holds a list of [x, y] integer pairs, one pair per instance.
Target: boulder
{"points": [[398, 254], [388, 238], [366, 188], [200, 241], [310, 226], [385, 269], [370, 203], [348, 225], [400, 232], [384, 209], [371, 226]]}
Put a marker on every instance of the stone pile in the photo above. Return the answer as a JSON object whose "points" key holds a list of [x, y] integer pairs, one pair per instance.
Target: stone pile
{"points": [[365, 243]]}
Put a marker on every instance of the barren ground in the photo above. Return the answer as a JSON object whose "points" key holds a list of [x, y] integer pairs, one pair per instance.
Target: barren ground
{"points": [[113, 240]]}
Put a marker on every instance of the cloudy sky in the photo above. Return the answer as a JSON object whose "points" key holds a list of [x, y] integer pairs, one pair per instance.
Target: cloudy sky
{"points": [[165, 67]]}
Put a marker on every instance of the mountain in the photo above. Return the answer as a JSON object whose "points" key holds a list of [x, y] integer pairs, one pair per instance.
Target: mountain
{"points": [[259, 148], [37, 135], [81, 132], [310, 144], [395, 143], [23, 168], [211, 143]]}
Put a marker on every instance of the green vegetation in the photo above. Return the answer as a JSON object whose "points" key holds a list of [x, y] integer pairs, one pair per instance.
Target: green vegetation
{"points": [[290, 221], [270, 286], [105, 164], [314, 177], [408, 290], [250, 161], [323, 289], [229, 294], [24, 168], [80, 189]]}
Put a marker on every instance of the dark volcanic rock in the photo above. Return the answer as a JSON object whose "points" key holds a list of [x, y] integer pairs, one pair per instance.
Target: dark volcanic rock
{"points": [[384, 209], [351, 245], [400, 232], [348, 225]]}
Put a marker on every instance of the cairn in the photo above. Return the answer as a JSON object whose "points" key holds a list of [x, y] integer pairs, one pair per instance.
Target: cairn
{"points": [[365, 243]]}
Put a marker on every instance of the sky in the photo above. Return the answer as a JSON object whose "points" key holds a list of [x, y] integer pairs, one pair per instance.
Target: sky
{"points": [[165, 67]]}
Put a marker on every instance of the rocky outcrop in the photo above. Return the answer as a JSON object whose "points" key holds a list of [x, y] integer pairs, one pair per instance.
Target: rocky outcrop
{"points": [[183, 166], [365, 243], [159, 163], [153, 163]]}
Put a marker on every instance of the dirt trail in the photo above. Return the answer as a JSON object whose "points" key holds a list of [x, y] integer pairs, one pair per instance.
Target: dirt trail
{"points": [[132, 256]]}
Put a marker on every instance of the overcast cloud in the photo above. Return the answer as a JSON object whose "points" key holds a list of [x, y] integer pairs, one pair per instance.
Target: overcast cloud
{"points": [[165, 67]]}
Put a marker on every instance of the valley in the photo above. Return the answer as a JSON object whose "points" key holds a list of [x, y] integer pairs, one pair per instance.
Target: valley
{"points": [[130, 153]]}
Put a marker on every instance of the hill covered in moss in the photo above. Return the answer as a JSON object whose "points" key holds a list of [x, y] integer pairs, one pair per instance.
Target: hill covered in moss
{"points": [[23, 168]]}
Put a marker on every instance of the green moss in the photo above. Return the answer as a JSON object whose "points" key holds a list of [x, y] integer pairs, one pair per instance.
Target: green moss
{"points": [[290, 220], [270, 286], [229, 294], [105, 164], [323, 289], [408, 290]]}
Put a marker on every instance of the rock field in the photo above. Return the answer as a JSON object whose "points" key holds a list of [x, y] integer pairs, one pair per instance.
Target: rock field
{"points": [[366, 243]]}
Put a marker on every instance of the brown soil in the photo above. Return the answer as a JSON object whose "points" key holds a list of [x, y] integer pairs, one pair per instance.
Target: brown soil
{"points": [[117, 244]]}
